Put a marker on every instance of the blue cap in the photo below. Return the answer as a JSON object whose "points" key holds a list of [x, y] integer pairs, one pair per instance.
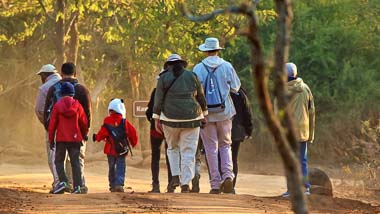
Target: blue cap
{"points": [[67, 89]]}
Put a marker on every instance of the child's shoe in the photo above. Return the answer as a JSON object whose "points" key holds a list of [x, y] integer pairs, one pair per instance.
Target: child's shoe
{"points": [[60, 188], [118, 188], [77, 190]]}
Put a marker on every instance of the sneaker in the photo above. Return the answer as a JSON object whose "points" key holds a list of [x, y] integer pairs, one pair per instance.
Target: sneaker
{"points": [[118, 188], [214, 191], [155, 188], [60, 188], [195, 184], [185, 189], [69, 188], [307, 191], [83, 189], [227, 186], [285, 194], [77, 190]]}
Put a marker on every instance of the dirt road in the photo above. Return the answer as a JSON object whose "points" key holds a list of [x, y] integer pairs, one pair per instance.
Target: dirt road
{"points": [[23, 189]]}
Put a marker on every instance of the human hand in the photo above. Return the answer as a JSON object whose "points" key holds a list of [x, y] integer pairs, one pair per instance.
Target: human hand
{"points": [[51, 144], [158, 126], [85, 138], [203, 122]]}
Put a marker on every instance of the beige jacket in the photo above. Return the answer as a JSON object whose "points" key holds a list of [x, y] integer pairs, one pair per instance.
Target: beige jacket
{"points": [[301, 104]]}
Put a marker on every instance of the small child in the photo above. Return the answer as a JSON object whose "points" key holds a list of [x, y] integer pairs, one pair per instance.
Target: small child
{"points": [[116, 162], [67, 127]]}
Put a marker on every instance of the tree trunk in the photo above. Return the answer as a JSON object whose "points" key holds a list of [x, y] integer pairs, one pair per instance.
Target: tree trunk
{"points": [[60, 34], [72, 55]]}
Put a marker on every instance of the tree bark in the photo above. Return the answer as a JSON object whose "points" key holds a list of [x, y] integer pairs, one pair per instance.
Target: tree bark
{"points": [[60, 34]]}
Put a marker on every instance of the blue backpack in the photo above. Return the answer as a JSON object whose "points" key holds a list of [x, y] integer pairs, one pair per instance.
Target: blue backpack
{"points": [[57, 95], [214, 99]]}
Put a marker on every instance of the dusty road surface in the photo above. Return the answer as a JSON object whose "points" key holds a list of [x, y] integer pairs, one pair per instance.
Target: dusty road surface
{"points": [[23, 189]]}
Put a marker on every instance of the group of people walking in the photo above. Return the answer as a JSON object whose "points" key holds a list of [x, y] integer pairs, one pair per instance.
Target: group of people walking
{"points": [[189, 111]]}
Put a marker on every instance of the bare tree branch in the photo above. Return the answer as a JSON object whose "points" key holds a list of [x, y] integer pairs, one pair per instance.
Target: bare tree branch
{"points": [[282, 134], [73, 18], [44, 9]]}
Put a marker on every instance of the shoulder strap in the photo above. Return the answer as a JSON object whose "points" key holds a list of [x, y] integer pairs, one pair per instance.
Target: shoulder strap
{"points": [[216, 81], [171, 84]]}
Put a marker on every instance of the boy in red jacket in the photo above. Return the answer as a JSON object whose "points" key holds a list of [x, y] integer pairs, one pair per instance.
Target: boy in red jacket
{"points": [[67, 128], [116, 162]]}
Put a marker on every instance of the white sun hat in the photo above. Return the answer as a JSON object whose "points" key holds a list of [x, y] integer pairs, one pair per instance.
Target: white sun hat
{"points": [[48, 68], [210, 44]]}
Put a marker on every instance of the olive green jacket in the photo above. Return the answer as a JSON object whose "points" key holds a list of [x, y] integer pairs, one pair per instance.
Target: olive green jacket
{"points": [[184, 104], [301, 104]]}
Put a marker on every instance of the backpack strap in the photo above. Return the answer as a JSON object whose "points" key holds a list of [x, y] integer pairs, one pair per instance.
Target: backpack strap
{"points": [[216, 81], [123, 121]]}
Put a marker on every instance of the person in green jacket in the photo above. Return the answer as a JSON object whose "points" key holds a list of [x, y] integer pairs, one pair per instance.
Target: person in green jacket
{"points": [[179, 110], [301, 104]]}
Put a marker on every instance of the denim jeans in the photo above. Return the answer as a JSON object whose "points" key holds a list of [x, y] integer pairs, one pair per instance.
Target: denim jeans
{"points": [[116, 170], [303, 161], [155, 144], [73, 149]]}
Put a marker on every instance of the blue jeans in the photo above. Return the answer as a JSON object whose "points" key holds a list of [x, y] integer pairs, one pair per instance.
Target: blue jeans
{"points": [[116, 172], [303, 161]]}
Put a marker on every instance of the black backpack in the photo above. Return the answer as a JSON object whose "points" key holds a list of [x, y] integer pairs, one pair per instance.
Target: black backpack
{"points": [[119, 137]]}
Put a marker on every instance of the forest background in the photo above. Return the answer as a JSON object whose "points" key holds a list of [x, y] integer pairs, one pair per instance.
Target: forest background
{"points": [[119, 47]]}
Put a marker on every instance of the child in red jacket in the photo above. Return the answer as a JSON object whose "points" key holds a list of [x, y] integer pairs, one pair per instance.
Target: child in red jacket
{"points": [[116, 162], [67, 128]]}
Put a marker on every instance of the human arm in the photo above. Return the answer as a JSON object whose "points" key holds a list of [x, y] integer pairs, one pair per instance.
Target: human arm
{"points": [[82, 121], [131, 133], [40, 105], [52, 125], [48, 103]]}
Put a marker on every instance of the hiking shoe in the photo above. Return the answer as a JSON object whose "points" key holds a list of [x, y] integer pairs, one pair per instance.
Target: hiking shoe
{"points": [[195, 184], [170, 189], [118, 188], [185, 189], [227, 186], [77, 190], [214, 191], [60, 188], [174, 182], [155, 188]]}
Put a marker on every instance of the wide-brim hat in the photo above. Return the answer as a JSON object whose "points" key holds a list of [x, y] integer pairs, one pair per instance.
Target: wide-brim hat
{"points": [[173, 58], [48, 68], [211, 44]]}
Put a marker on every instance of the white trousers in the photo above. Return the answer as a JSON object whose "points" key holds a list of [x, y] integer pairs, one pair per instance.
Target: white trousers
{"points": [[182, 146]]}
